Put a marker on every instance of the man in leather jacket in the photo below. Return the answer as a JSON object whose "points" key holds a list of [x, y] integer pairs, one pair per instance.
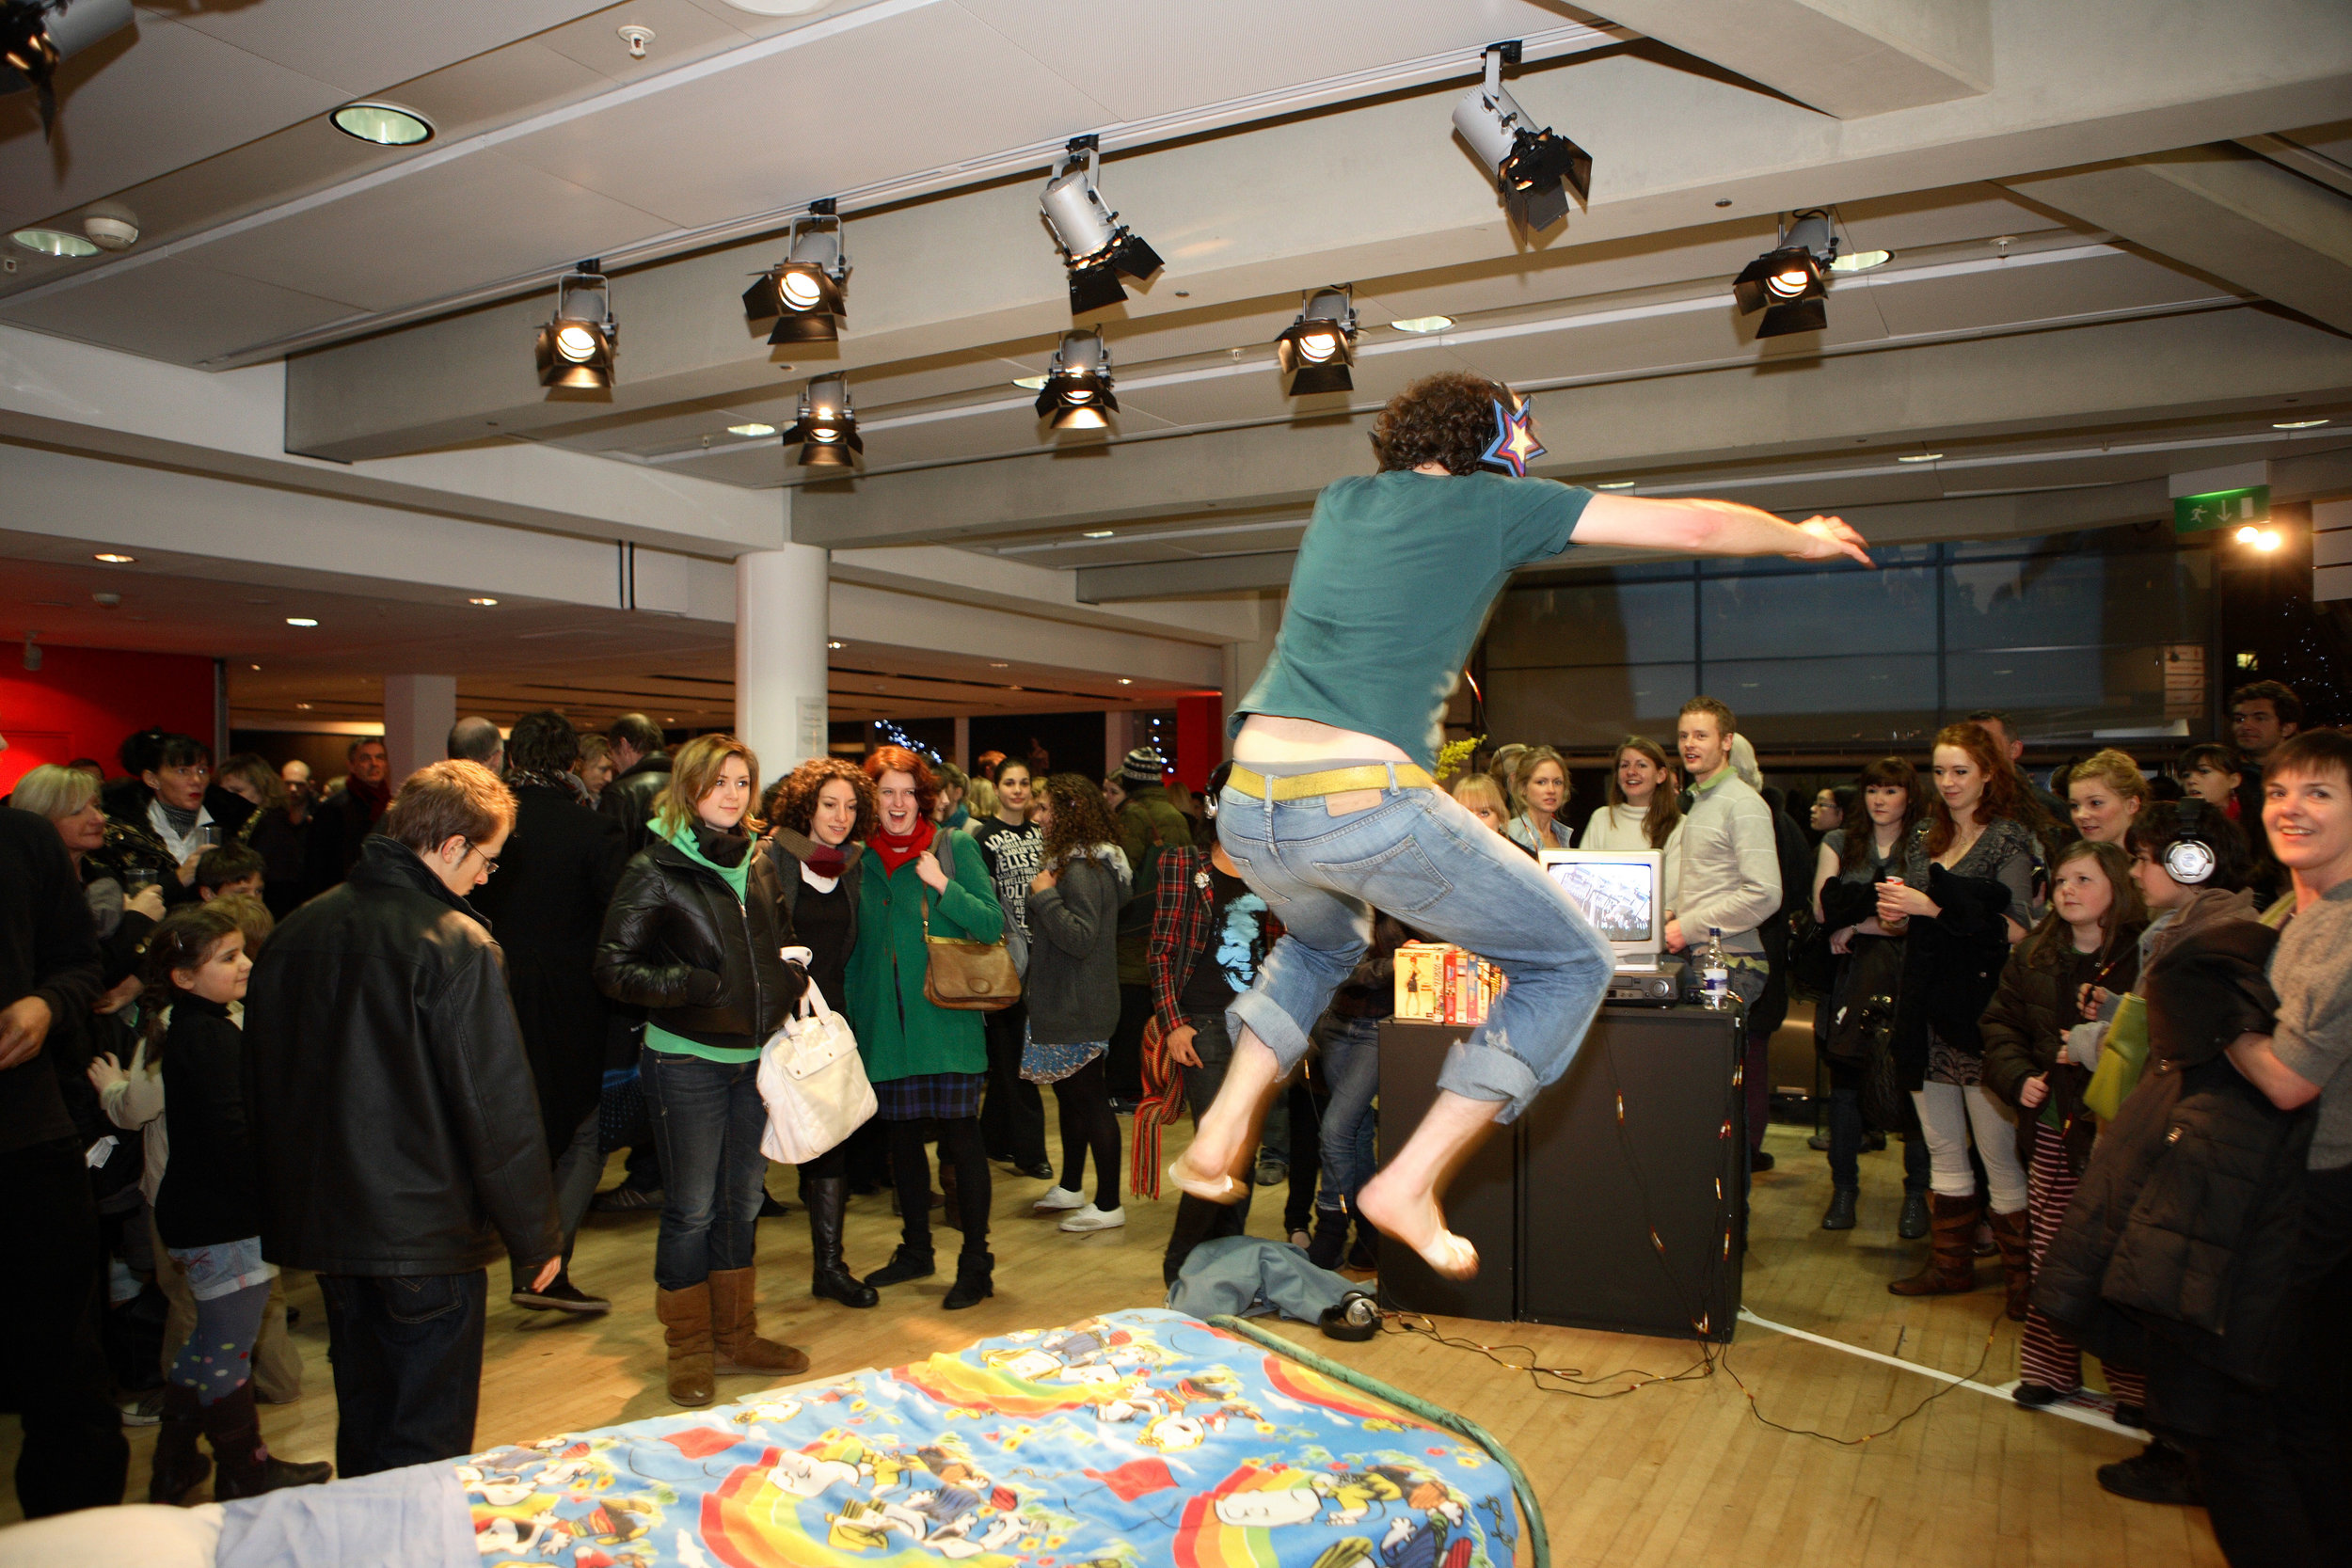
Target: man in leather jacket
{"points": [[398, 1129], [644, 772]]}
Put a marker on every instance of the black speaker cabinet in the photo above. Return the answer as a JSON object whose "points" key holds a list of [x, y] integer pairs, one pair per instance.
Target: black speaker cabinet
{"points": [[1562, 1205]]}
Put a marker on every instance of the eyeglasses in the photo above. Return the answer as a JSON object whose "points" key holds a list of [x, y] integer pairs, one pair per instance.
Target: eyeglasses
{"points": [[490, 864]]}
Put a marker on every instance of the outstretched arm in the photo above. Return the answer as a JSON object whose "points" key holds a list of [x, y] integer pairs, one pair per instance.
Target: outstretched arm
{"points": [[1713, 528]]}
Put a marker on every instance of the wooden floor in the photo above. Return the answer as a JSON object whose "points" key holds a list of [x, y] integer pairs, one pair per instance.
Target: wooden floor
{"points": [[1674, 1473]]}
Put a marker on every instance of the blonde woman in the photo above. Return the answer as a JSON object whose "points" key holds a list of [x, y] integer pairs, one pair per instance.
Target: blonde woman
{"points": [[2106, 793], [1483, 797], [1541, 781]]}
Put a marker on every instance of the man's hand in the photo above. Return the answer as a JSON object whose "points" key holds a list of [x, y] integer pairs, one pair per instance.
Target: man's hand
{"points": [[1178, 1042], [121, 997], [23, 1026], [1834, 537], [148, 901], [1673, 936], [547, 1271]]}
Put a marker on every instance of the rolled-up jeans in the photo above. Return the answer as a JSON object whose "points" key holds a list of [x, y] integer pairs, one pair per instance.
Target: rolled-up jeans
{"points": [[1419, 855]]}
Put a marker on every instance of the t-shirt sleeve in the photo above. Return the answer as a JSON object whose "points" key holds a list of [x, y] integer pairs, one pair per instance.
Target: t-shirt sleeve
{"points": [[1543, 520]]}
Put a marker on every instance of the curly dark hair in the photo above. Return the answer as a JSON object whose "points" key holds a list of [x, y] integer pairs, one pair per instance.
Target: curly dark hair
{"points": [[793, 802], [1447, 418], [1082, 819], [543, 741]]}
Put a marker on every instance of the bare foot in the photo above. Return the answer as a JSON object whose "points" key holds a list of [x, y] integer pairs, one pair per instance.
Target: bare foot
{"points": [[1219, 1188], [1412, 1216]]}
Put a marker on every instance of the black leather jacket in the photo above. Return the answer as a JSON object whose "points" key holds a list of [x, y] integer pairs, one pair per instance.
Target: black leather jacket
{"points": [[628, 799], [677, 943], [393, 1115]]}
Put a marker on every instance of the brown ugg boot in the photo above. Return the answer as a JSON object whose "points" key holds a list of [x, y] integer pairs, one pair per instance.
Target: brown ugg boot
{"points": [[180, 1464], [735, 1327], [2013, 1236], [686, 1322], [1952, 1265], [244, 1467]]}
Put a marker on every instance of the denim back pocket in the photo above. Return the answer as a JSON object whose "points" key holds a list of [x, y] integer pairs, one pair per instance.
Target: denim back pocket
{"points": [[420, 1298], [1400, 879]]}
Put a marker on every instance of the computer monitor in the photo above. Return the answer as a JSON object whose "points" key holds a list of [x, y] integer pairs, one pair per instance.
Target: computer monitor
{"points": [[1620, 891]]}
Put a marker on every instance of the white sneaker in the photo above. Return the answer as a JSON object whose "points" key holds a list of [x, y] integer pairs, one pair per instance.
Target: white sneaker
{"points": [[1058, 1199], [1091, 1218]]}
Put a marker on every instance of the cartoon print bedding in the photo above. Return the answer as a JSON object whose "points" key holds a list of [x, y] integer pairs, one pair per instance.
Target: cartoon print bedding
{"points": [[1138, 1437]]}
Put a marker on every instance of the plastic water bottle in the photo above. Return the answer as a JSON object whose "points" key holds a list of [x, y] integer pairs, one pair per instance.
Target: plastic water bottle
{"points": [[1715, 973]]}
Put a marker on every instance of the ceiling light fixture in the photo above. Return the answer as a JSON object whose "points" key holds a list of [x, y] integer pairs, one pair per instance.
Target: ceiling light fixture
{"points": [[577, 347], [1125, 681], [2296, 424], [1422, 324], [1860, 260], [37, 36], [1616, 484], [1535, 167], [826, 432], [54, 241], [1790, 283], [807, 293], [301, 621], [1316, 349], [1102, 534], [1095, 245], [114, 558], [1921, 457], [384, 124], [1028, 382], [836, 647], [1078, 391], [2260, 538], [998, 664], [484, 601], [754, 428]]}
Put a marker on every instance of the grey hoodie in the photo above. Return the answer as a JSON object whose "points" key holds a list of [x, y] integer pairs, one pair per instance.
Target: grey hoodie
{"points": [[1071, 988]]}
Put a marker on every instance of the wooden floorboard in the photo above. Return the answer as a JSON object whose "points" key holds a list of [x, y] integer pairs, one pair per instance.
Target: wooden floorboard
{"points": [[1673, 1474]]}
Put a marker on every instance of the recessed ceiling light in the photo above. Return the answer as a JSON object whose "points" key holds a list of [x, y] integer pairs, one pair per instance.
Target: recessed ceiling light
{"points": [[2278, 424], [300, 621], [1422, 324], [1860, 260], [998, 664], [254, 668], [54, 241], [834, 646], [1100, 532], [484, 601], [385, 124], [1125, 681], [305, 706], [1029, 382], [754, 428], [115, 558], [1920, 457], [1616, 484], [1013, 689]]}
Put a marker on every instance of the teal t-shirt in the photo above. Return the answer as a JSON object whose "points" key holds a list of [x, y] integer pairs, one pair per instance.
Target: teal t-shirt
{"points": [[1393, 584]]}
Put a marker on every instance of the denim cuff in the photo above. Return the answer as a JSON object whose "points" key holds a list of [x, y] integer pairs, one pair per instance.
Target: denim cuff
{"points": [[1265, 1018], [1477, 1068]]}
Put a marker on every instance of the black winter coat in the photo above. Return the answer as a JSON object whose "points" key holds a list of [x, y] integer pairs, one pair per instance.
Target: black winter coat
{"points": [[340, 826], [207, 1194], [2022, 1027], [49, 949], [628, 799], [1951, 968], [547, 904], [393, 1117], [2184, 1227], [678, 943]]}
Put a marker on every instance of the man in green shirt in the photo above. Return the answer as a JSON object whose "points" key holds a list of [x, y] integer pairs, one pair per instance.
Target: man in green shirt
{"points": [[1330, 812]]}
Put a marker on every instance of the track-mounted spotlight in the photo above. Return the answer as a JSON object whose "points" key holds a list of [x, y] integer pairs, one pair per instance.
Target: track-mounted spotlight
{"points": [[1534, 167], [807, 293], [577, 348], [1078, 391], [1095, 244], [826, 432], [1317, 348], [37, 36], [1790, 283]]}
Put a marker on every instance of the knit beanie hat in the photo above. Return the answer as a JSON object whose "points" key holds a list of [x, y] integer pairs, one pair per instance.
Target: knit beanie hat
{"points": [[1143, 767]]}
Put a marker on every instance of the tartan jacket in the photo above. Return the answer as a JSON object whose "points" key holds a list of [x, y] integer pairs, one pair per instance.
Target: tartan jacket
{"points": [[1180, 911]]}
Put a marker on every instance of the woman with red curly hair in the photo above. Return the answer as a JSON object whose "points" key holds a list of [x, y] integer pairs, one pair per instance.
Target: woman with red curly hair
{"points": [[1331, 811], [928, 1063]]}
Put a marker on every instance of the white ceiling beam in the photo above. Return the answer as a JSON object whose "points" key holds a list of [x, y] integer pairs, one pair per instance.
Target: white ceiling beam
{"points": [[2226, 212], [862, 612], [1850, 58], [938, 572]]}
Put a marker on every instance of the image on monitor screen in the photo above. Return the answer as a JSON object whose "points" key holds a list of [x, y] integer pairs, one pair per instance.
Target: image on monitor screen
{"points": [[1615, 896]]}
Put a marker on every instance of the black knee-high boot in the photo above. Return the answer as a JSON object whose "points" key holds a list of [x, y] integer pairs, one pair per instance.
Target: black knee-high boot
{"points": [[828, 1201]]}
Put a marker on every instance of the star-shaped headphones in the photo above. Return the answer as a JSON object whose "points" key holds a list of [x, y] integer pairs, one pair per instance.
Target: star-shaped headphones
{"points": [[1515, 445]]}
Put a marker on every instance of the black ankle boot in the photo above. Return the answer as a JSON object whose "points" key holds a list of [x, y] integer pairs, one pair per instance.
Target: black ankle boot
{"points": [[1913, 1223], [974, 1281], [828, 1197], [1329, 1244], [905, 1264], [1841, 1207]]}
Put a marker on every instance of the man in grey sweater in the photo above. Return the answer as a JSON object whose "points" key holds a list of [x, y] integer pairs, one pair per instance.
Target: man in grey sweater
{"points": [[1729, 880]]}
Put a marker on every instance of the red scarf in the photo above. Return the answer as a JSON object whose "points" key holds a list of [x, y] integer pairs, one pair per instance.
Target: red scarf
{"points": [[375, 797], [894, 850]]}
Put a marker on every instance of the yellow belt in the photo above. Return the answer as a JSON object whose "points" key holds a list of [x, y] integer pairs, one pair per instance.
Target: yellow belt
{"points": [[1336, 780]]}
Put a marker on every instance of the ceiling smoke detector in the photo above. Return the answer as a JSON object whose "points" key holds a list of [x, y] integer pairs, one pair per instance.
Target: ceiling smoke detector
{"points": [[111, 231]]}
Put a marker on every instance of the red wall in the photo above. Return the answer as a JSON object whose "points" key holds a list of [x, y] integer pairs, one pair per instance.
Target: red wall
{"points": [[82, 702], [1199, 739]]}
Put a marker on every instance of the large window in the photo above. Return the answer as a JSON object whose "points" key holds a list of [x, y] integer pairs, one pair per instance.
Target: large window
{"points": [[2073, 635]]}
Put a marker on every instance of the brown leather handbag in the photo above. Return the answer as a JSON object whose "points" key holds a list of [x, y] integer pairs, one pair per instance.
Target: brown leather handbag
{"points": [[959, 973]]}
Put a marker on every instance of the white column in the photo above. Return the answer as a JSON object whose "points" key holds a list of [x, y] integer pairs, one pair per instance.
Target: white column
{"points": [[780, 655], [417, 712], [963, 744], [1118, 737]]}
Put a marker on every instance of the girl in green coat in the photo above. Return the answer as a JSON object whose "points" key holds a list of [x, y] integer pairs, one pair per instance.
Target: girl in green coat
{"points": [[928, 1063]]}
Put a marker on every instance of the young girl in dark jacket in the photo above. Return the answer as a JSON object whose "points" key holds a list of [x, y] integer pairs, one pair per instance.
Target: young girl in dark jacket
{"points": [[2087, 943], [1072, 992], [207, 1211]]}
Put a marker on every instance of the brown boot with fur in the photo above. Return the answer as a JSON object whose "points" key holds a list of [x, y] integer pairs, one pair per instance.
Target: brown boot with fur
{"points": [[1952, 1265], [686, 1322], [735, 1327], [2013, 1236]]}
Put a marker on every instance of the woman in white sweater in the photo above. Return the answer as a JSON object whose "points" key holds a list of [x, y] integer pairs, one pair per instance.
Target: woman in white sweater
{"points": [[1643, 812]]}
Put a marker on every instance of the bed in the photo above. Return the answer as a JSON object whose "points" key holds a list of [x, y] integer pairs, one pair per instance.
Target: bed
{"points": [[1134, 1438]]}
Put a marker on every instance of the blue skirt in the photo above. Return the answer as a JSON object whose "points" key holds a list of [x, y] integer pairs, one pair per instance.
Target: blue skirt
{"points": [[929, 1095]]}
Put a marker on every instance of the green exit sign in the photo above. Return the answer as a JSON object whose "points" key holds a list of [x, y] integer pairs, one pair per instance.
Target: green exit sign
{"points": [[2221, 508]]}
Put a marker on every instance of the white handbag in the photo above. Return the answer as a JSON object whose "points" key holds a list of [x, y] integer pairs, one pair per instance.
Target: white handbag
{"points": [[814, 1084]]}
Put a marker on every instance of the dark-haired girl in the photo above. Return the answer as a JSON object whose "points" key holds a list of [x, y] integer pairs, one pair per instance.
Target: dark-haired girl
{"points": [[208, 1213]]}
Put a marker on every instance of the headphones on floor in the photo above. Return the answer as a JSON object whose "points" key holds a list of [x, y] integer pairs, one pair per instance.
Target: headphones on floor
{"points": [[1356, 1318]]}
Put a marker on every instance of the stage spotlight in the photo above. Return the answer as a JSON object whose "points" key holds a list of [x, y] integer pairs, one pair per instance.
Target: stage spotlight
{"points": [[826, 432], [1319, 346], [1534, 167], [577, 348], [1078, 391], [1096, 247], [1790, 282], [807, 293], [37, 36]]}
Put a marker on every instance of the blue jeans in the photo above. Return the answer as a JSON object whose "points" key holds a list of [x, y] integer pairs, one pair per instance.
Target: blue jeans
{"points": [[708, 1118], [1351, 1079], [407, 1351], [1423, 858]]}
